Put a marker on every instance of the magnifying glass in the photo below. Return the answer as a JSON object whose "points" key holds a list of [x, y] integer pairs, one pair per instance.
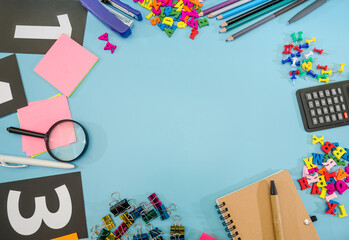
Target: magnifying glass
{"points": [[65, 141]]}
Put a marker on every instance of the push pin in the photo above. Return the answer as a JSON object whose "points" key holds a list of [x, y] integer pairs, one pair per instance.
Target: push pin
{"points": [[319, 51], [288, 49], [294, 38], [322, 76], [311, 73], [329, 72], [147, 214], [155, 234], [301, 72], [322, 67], [307, 66], [300, 37], [139, 235], [341, 69], [323, 80], [118, 206], [298, 54], [298, 49], [310, 41], [308, 60], [305, 45], [307, 55], [289, 59], [177, 231], [295, 63]]}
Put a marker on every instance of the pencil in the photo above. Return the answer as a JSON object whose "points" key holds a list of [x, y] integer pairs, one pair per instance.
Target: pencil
{"points": [[217, 7], [275, 208], [257, 15], [240, 9], [264, 20], [307, 10], [227, 8], [249, 13]]}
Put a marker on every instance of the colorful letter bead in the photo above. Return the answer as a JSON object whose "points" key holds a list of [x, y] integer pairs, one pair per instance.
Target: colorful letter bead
{"points": [[330, 188], [323, 193], [331, 207], [329, 164], [103, 37], [110, 47], [317, 158], [309, 162], [338, 152], [341, 186], [322, 182], [330, 197], [315, 189], [342, 210], [327, 147], [193, 33], [318, 140], [203, 22], [341, 174]]}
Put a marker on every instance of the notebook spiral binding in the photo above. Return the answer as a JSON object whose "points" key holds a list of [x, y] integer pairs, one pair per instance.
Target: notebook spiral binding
{"points": [[227, 223]]}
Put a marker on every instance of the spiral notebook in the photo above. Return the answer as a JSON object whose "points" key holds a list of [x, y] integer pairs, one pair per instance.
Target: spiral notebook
{"points": [[247, 215]]}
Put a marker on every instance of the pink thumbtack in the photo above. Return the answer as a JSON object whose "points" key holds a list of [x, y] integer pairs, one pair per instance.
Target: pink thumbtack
{"points": [[110, 47], [103, 37]]}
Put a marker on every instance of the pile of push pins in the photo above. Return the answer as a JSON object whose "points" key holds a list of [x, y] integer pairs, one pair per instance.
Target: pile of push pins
{"points": [[129, 212], [300, 58], [169, 15], [328, 181]]}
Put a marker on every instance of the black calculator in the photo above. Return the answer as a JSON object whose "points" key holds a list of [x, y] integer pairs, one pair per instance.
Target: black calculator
{"points": [[324, 106]]}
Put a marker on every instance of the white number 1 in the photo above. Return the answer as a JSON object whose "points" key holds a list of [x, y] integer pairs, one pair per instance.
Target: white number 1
{"points": [[29, 226]]}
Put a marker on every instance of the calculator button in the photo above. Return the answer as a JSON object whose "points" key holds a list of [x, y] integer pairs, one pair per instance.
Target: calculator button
{"points": [[334, 117], [329, 101], [327, 118], [317, 103], [315, 121], [340, 116], [331, 109], [312, 113], [319, 112], [339, 90], [308, 96], [321, 120], [327, 93], [315, 95], [343, 107], [321, 94], [311, 104], [338, 108], [335, 100], [323, 102], [341, 98], [333, 91], [345, 115], [325, 109]]}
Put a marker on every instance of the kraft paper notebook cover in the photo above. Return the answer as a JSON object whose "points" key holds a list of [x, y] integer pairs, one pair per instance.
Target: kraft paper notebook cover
{"points": [[247, 211]]}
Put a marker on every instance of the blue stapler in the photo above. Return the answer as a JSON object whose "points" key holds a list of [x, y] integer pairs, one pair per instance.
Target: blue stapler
{"points": [[104, 10]]}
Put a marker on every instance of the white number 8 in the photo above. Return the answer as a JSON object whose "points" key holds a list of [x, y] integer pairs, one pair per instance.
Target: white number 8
{"points": [[29, 226]]}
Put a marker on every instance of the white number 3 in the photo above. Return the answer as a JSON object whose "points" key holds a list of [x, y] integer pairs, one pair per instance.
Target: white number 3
{"points": [[29, 226]]}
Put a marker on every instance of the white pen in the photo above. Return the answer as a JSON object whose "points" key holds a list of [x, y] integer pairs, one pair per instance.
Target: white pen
{"points": [[34, 162]]}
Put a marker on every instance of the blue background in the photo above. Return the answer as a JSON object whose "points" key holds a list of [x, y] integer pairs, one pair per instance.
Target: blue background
{"points": [[192, 120]]}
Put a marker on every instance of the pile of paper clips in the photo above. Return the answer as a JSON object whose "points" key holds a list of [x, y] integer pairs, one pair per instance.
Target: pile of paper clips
{"points": [[129, 212]]}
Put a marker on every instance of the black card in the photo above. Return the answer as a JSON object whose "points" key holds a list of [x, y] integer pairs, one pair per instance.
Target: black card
{"points": [[12, 95], [21, 23], [42, 208]]}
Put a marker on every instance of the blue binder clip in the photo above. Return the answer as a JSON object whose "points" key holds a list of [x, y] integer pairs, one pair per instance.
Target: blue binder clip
{"points": [[139, 235], [155, 234], [136, 211], [165, 212], [104, 10]]}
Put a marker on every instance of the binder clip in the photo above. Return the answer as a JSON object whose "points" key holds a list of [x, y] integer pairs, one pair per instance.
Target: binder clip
{"points": [[163, 211], [155, 234], [147, 214], [119, 206], [139, 235], [101, 234], [121, 230], [126, 218], [108, 222], [136, 211], [106, 11], [177, 231]]}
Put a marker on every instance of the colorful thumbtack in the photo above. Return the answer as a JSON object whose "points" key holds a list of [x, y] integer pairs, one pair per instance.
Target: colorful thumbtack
{"points": [[308, 60], [289, 59], [305, 45], [322, 67], [307, 55], [341, 69], [294, 38], [298, 49], [298, 54], [319, 51], [329, 72], [311, 73], [310, 41], [301, 72], [300, 37]]}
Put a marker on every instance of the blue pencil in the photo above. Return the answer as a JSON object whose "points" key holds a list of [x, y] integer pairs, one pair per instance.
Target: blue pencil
{"points": [[240, 9]]}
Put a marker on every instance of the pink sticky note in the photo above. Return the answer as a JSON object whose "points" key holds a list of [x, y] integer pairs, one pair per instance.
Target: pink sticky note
{"points": [[204, 236], [65, 64], [39, 117]]}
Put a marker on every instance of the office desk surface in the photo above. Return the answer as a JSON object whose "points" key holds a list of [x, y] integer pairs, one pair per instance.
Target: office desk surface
{"points": [[192, 120]]}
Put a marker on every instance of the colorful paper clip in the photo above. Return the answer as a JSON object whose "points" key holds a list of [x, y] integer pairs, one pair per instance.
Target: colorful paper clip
{"points": [[139, 235], [164, 212], [155, 234], [101, 233], [121, 230], [118, 206], [108, 222], [177, 231], [148, 214]]}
